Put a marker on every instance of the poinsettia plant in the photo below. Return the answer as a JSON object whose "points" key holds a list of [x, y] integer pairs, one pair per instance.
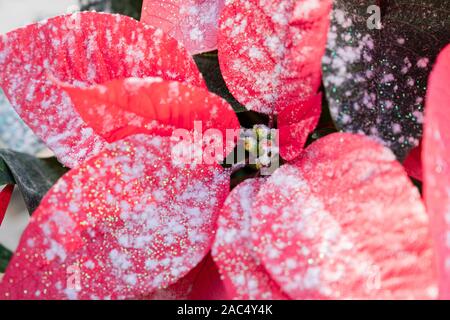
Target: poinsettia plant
{"points": [[146, 210]]}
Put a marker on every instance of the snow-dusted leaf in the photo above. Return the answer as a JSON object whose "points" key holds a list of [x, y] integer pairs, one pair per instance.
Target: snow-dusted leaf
{"points": [[436, 164], [270, 51], [14, 134], [193, 23], [123, 224], [83, 48], [376, 79], [33, 176], [345, 222], [244, 275]]}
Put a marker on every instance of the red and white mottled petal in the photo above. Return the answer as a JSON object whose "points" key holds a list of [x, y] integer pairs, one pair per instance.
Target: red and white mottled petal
{"points": [[83, 49], [436, 165], [295, 123], [345, 222], [149, 105], [244, 275], [194, 23], [270, 51], [125, 223]]}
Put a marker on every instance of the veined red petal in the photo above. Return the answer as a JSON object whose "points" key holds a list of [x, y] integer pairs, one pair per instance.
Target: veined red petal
{"points": [[436, 164], [270, 51], [295, 123], [345, 222], [123, 224], [234, 252], [194, 23], [83, 49]]}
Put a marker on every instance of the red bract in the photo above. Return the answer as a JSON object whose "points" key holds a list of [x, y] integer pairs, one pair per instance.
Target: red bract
{"points": [[84, 48], [5, 198], [152, 106], [127, 222], [413, 163], [193, 23], [244, 275], [436, 160], [344, 221], [270, 51], [202, 283], [295, 123]]}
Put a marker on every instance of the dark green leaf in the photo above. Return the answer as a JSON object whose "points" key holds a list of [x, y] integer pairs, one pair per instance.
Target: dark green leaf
{"points": [[130, 8], [5, 175], [33, 176], [5, 257], [376, 79]]}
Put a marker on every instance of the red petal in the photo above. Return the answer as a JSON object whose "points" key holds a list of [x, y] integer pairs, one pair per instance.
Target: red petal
{"points": [[5, 198], [120, 108], [208, 285], [244, 275], [193, 23], [436, 160], [127, 222], [345, 222], [84, 48], [295, 123], [413, 163], [270, 51], [201, 283]]}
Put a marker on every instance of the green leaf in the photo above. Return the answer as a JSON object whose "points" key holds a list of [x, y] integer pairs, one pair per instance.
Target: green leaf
{"points": [[5, 175], [5, 257], [33, 176]]}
